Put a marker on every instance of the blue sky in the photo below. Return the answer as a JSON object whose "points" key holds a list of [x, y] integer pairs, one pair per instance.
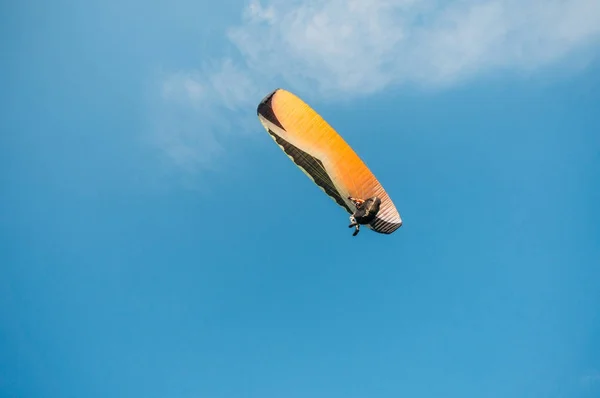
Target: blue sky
{"points": [[132, 165]]}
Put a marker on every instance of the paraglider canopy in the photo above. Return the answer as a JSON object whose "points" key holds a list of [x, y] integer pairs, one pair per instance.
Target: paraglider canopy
{"points": [[323, 155]]}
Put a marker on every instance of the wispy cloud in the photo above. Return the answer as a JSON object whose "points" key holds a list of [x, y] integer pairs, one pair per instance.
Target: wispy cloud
{"points": [[197, 110], [349, 48], [591, 378]]}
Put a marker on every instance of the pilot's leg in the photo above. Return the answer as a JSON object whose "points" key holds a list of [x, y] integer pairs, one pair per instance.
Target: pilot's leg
{"points": [[357, 230]]}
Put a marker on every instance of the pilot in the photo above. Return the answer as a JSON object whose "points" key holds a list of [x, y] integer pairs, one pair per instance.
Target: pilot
{"points": [[366, 210]]}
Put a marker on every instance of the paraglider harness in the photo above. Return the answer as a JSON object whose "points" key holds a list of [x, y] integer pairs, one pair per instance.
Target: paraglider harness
{"points": [[366, 210]]}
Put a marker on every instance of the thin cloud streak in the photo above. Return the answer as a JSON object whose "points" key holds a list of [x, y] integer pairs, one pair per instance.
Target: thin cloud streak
{"points": [[592, 378]]}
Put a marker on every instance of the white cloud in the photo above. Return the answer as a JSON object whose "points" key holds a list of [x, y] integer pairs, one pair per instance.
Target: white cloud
{"points": [[355, 47], [190, 119], [346, 48]]}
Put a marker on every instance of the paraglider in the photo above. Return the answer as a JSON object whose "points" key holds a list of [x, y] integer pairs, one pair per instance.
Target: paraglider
{"points": [[323, 155]]}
